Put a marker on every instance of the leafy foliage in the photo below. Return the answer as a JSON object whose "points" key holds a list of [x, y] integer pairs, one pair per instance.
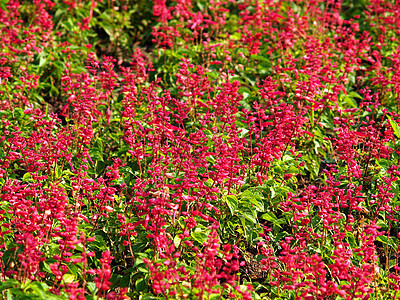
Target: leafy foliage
{"points": [[199, 149]]}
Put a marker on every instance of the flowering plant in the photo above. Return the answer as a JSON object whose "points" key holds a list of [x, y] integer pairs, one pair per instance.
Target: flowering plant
{"points": [[199, 149]]}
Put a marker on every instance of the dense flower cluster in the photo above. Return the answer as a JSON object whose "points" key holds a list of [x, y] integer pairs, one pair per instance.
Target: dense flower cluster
{"points": [[208, 150]]}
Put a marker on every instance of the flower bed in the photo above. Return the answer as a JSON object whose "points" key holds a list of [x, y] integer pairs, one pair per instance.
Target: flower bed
{"points": [[199, 149]]}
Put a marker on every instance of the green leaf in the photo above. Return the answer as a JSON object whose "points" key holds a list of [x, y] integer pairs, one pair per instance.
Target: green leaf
{"points": [[92, 287], [147, 297], [68, 278], [278, 170], [249, 214], [199, 236], [355, 95], [245, 92], [392, 263], [139, 246], [141, 285], [232, 203], [9, 283], [269, 216], [260, 57], [313, 163], [125, 280], [27, 177], [395, 126], [37, 289], [280, 236], [253, 198], [349, 101], [19, 113], [96, 154]]}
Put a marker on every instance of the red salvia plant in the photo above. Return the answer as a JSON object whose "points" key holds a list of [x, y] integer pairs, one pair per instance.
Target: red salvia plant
{"points": [[238, 149]]}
